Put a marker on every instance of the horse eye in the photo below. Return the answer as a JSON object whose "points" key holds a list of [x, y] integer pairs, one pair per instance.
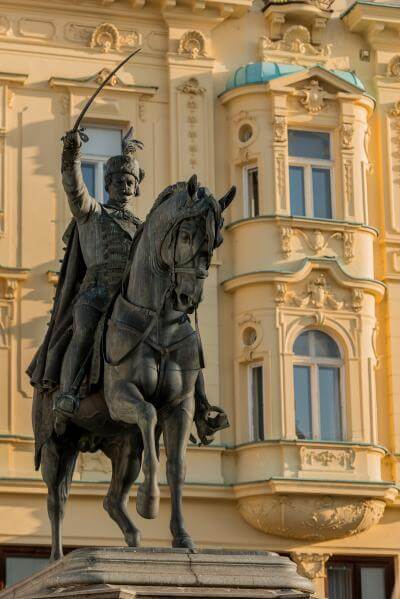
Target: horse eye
{"points": [[185, 237]]}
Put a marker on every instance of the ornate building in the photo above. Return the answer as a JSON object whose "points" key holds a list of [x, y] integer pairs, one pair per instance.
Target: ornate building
{"points": [[298, 104]]}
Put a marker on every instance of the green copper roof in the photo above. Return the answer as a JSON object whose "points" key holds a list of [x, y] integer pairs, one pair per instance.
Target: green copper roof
{"points": [[262, 72]]}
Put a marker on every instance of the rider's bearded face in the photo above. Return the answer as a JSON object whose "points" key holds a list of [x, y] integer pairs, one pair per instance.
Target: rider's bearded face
{"points": [[122, 188]]}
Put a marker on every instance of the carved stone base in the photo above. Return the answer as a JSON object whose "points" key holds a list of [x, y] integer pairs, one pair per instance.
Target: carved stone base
{"points": [[124, 573]]}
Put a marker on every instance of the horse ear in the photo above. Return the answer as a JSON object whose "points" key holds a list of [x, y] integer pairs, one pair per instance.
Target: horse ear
{"points": [[227, 199], [192, 185]]}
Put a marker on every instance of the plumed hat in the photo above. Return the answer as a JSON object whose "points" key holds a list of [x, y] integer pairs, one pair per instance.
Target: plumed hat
{"points": [[126, 162]]}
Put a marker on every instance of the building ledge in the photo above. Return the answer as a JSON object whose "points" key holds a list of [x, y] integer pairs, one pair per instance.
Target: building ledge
{"points": [[377, 22]]}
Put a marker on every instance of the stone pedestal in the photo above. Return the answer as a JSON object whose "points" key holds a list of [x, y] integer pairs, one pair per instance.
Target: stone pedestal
{"points": [[125, 573]]}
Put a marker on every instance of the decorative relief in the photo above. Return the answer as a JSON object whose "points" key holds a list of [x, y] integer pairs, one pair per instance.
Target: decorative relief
{"points": [[106, 36], [395, 111], [280, 128], [311, 517], [192, 89], [327, 459], [4, 25], [5, 322], [280, 175], [103, 74], [348, 181], [317, 241], [357, 299], [318, 295], [393, 69], [311, 565], [243, 115], [347, 135], [251, 333], [65, 104], [313, 100], [192, 44], [296, 39]]}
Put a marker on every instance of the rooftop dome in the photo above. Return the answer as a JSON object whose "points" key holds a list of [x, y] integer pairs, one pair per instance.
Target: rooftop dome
{"points": [[262, 72]]}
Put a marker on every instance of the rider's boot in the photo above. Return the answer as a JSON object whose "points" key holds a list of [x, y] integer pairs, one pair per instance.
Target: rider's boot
{"points": [[64, 407]]}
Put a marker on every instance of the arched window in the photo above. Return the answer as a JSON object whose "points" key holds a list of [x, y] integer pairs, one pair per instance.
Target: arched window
{"points": [[317, 383]]}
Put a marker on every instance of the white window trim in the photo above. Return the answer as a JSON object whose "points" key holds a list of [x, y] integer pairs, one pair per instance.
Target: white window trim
{"points": [[246, 197], [250, 397], [99, 174], [308, 164], [313, 363]]}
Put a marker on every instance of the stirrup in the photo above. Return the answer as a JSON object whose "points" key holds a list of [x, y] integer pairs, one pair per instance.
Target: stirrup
{"points": [[66, 404]]}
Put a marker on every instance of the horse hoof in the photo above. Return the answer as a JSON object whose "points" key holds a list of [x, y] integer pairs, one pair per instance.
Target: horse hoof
{"points": [[147, 505], [132, 539], [184, 542]]}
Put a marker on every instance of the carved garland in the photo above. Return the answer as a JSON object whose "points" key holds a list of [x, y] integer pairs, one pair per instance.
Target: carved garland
{"points": [[318, 295], [317, 241]]}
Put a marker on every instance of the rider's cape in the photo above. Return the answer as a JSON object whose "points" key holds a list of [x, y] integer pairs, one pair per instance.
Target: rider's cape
{"points": [[44, 370]]}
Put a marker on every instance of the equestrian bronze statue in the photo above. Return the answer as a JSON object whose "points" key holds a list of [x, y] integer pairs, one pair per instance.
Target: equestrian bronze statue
{"points": [[121, 362]]}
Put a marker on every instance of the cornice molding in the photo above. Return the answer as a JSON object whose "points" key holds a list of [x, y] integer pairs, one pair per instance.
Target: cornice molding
{"points": [[93, 82]]}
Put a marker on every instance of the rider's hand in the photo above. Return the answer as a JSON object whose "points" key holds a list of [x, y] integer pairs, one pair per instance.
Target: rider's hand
{"points": [[72, 141]]}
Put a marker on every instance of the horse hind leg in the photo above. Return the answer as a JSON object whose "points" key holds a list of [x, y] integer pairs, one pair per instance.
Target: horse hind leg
{"points": [[125, 454], [57, 465]]}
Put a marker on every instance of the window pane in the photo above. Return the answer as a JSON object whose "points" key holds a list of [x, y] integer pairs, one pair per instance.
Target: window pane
{"points": [[324, 346], [302, 395], [257, 403], [340, 582], [18, 568], [309, 144], [102, 142], [322, 202], [302, 344], [89, 177], [373, 583], [297, 198], [252, 192], [329, 404]]}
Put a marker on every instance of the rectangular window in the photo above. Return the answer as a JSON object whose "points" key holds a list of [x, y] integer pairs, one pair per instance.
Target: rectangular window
{"points": [[103, 143], [310, 174], [256, 403], [251, 192], [360, 578]]}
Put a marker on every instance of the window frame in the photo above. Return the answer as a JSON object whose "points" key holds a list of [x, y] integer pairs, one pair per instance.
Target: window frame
{"points": [[98, 160], [313, 363], [308, 164], [250, 398], [246, 195], [357, 563]]}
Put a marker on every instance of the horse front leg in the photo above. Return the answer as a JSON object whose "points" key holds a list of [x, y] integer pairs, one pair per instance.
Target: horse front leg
{"points": [[176, 431], [128, 405]]}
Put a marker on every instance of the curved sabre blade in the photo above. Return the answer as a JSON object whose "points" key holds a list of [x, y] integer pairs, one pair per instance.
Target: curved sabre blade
{"points": [[98, 90]]}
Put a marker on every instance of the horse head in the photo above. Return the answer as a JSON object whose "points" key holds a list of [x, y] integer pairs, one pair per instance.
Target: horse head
{"points": [[192, 230]]}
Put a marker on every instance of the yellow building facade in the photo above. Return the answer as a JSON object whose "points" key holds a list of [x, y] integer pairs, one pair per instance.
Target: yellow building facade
{"points": [[297, 103]]}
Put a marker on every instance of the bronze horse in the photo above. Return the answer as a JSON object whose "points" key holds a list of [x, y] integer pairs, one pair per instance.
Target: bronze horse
{"points": [[152, 357]]}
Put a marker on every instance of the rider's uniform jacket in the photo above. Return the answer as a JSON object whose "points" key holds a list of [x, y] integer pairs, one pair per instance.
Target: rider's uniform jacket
{"points": [[105, 235]]}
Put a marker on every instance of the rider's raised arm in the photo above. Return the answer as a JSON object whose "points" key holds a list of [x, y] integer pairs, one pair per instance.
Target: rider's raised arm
{"points": [[80, 202]]}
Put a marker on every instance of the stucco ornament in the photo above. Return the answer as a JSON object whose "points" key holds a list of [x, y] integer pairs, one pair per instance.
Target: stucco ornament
{"points": [[318, 295], [313, 100], [393, 69], [192, 44], [106, 36], [280, 128], [395, 111], [311, 517], [103, 74], [332, 459], [296, 39], [347, 134], [317, 241], [311, 565]]}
